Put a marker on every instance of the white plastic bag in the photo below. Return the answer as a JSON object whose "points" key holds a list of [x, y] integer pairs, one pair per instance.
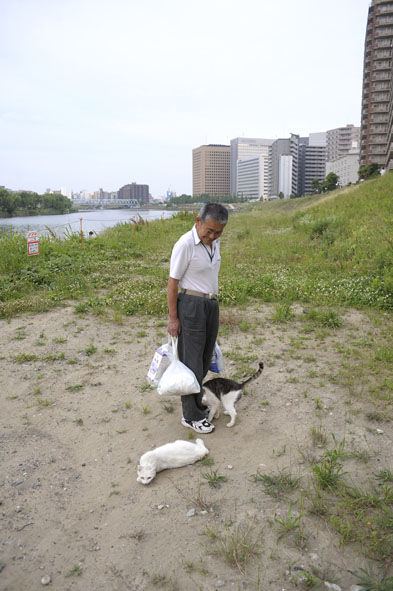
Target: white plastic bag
{"points": [[178, 379], [217, 362], [161, 360]]}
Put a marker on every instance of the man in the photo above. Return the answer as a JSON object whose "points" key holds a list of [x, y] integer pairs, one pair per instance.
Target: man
{"points": [[193, 311]]}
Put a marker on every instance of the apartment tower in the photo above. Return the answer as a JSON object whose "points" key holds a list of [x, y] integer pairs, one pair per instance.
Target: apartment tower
{"points": [[210, 170], [312, 162], [377, 104], [134, 191], [340, 141]]}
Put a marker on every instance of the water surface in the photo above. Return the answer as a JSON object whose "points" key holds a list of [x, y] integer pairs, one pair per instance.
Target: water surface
{"points": [[92, 221]]}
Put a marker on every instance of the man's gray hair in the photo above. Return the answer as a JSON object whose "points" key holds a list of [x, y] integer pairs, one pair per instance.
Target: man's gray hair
{"points": [[216, 211]]}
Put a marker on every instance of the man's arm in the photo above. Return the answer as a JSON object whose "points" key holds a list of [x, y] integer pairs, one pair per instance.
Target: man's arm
{"points": [[174, 326]]}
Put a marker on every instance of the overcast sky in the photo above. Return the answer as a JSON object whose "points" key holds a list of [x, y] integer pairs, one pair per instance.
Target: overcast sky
{"points": [[101, 93]]}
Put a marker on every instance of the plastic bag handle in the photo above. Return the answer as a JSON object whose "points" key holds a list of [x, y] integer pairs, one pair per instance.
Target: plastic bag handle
{"points": [[174, 347]]}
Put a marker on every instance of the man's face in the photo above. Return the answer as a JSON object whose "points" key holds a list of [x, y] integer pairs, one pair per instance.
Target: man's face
{"points": [[208, 230]]}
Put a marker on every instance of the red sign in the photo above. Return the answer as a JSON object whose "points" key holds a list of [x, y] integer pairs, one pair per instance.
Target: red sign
{"points": [[32, 243]]}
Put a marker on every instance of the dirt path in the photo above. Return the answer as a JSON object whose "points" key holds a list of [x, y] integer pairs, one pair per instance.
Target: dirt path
{"points": [[76, 416]]}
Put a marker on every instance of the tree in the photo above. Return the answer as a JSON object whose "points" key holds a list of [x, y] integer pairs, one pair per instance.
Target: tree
{"points": [[28, 200], [316, 186], [8, 201], [281, 195], [369, 171], [331, 182]]}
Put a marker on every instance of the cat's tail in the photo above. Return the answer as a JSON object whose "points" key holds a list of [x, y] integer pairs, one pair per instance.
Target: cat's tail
{"points": [[255, 375]]}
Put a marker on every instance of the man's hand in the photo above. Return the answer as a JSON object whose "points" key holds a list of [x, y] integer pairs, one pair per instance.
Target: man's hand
{"points": [[174, 327]]}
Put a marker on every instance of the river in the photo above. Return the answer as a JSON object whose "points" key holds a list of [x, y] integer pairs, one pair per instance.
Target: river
{"points": [[92, 221]]}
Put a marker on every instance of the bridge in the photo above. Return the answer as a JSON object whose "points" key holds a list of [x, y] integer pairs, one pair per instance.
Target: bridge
{"points": [[131, 203]]}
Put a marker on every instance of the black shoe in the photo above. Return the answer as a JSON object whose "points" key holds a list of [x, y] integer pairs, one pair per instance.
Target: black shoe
{"points": [[202, 426]]}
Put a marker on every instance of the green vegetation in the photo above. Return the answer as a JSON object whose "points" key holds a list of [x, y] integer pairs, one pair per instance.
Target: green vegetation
{"points": [[235, 544], [276, 485], [214, 480], [329, 184], [323, 250], [369, 171], [28, 202], [205, 198]]}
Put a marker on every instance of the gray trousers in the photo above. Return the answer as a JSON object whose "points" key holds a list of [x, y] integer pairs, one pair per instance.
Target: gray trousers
{"points": [[199, 319]]}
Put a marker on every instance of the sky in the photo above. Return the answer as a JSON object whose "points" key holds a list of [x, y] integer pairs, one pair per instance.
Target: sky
{"points": [[101, 93]]}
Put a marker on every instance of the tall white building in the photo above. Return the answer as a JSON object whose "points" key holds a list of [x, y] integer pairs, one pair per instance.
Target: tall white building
{"points": [[241, 149], [285, 154], [285, 168], [253, 177]]}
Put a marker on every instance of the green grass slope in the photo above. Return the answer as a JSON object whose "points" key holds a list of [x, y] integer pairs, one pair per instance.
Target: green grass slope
{"points": [[334, 249]]}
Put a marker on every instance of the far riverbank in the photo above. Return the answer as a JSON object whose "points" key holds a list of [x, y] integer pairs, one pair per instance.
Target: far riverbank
{"points": [[91, 220]]}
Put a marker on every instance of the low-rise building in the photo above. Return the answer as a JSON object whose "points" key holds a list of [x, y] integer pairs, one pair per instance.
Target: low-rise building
{"points": [[346, 167]]}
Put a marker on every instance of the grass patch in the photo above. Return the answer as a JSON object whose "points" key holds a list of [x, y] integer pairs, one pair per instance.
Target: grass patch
{"points": [[276, 485], [25, 357], [235, 544], [75, 388], [214, 480], [290, 524]]}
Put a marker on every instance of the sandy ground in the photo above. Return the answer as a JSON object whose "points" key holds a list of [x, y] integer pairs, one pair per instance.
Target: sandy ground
{"points": [[76, 418]]}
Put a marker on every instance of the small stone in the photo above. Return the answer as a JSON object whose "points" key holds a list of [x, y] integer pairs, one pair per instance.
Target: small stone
{"points": [[230, 467], [18, 509], [160, 507], [45, 580], [220, 583], [355, 588], [379, 431], [314, 556], [97, 548], [191, 513], [204, 512], [332, 586]]}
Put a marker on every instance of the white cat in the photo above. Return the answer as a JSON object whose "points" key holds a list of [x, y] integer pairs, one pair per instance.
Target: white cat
{"points": [[171, 455]]}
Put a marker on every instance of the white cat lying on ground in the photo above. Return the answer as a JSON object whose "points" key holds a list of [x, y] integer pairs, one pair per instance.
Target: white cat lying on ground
{"points": [[171, 455]]}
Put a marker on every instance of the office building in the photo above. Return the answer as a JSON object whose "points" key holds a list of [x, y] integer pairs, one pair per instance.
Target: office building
{"points": [[210, 170], [312, 162], [253, 177], [339, 141], [243, 148], [134, 191], [377, 105]]}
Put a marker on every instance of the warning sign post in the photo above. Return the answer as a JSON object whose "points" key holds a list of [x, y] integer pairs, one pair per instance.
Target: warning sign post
{"points": [[32, 243]]}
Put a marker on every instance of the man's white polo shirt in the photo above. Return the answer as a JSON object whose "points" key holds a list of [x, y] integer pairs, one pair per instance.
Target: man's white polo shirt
{"points": [[194, 264]]}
